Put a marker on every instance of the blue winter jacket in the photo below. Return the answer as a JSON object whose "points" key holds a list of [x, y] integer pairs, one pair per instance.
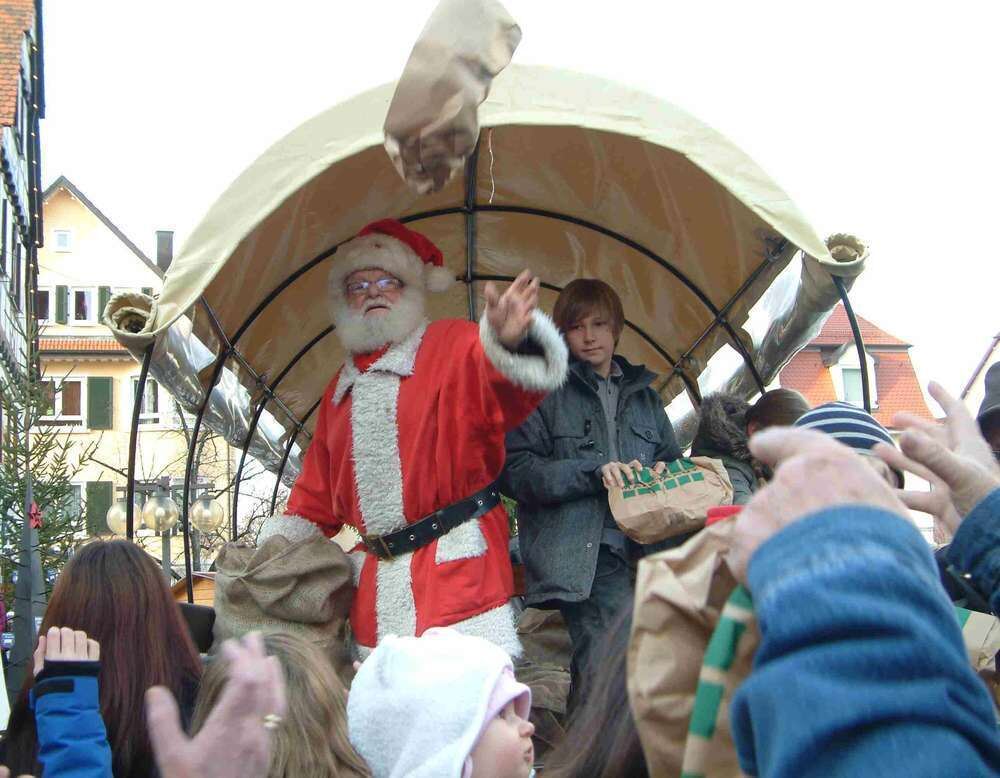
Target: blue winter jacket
{"points": [[72, 740], [974, 552], [861, 668]]}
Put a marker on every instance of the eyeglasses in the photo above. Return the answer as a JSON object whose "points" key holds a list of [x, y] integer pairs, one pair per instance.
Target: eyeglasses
{"points": [[384, 284]]}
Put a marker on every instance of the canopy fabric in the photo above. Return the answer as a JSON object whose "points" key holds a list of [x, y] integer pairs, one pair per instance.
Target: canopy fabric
{"points": [[574, 177]]}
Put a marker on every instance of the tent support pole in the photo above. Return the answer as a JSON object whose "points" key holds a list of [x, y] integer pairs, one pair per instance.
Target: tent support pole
{"points": [[133, 440], [471, 166], [859, 342], [268, 394]]}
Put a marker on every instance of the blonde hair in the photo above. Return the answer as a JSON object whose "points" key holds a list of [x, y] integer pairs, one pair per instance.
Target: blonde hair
{"points": [[312, 740]]}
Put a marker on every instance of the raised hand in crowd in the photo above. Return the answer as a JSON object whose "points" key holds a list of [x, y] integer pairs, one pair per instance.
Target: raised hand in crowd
{"points": [[67, 645], [813, 472], [953, 457], [510, 314], [234, 741]]}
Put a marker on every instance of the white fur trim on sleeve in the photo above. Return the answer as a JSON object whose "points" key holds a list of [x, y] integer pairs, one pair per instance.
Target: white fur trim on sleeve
{"points": [[543, 373], [293, 528]]}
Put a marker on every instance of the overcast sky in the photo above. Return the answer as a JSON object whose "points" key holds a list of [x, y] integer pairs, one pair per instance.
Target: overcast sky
{"points": [[879, 119]]}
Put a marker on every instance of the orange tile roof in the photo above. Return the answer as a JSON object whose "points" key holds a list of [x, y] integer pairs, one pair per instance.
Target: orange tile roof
{"points": [[896, 385], [837, 331], [81, 344], [16, 17], [807, 374]]}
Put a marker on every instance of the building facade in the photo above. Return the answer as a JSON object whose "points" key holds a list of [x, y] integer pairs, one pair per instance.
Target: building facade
{"points": [[91, 379], [830, 369], [22, 106]]}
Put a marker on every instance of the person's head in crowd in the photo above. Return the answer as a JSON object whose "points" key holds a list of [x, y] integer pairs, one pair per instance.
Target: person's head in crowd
{"points": [[856, 429], [444, 704], [726, 422], [989, 411], [601, 738], [116, 593], [776, 408], [311, 741], [589, 314]]}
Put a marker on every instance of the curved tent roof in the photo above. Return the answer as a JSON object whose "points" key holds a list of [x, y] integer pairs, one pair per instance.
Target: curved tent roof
{"points": [[574, 176]]}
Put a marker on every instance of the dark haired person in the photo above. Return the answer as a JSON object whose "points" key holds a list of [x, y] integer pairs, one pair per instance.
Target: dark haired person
{"points": [[725, 424], [583, 438]]}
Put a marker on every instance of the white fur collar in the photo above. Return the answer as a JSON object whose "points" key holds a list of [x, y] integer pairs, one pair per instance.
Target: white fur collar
{"points": [[399, 359]]}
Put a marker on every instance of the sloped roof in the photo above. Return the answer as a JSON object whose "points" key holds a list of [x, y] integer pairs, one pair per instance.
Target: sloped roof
{"points": [[78, 344], [64, 183], [897, 387], [837, 331], [16, 18]]}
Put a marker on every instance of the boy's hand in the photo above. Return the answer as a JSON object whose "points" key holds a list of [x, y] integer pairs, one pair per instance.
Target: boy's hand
{"points": [[618, 474]]}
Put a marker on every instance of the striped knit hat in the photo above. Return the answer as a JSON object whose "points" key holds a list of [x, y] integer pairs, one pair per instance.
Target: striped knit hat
{"points": [[851, 425]]}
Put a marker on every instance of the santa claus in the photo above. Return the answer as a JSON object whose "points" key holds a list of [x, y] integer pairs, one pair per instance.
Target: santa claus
{"points": [[409, 439]]}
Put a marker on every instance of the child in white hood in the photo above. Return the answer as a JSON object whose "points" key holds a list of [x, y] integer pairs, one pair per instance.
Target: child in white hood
{"points": [[444, 705]]}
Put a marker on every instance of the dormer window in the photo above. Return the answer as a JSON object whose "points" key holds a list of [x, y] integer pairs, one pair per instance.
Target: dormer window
{"points": [[846, 375]]}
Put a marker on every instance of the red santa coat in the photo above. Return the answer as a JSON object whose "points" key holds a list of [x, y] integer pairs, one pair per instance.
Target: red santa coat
{"points": [[420, 428]]}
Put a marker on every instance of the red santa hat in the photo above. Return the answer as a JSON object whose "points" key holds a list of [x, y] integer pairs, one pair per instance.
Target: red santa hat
{"points": [[391, 246]]}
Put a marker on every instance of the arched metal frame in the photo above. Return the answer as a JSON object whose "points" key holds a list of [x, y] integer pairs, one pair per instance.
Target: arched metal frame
{"points": [[228, 345]]}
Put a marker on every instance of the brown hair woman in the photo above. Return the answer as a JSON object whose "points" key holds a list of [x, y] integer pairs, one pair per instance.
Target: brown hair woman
{"points": [[115, 592]]}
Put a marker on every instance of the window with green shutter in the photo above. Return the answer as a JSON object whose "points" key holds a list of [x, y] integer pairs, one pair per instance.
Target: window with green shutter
{"points": [[99, 497], [148, 291], [62, 300], [103, 298], [100, 411]]}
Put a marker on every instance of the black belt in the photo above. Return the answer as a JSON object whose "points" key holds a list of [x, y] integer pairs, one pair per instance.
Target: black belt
{"points": [[420, 533]]}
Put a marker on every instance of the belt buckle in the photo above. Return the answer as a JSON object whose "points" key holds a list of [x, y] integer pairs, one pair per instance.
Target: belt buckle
{"points": [[380, 542]]}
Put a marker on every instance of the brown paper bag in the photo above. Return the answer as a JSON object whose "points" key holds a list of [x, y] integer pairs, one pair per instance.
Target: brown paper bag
{"points": [[303, 587], [432, 124], [672, 503], [981, 633], [679, 596]]}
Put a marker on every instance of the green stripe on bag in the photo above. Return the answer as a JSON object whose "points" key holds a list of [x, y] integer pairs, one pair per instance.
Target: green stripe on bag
{"points": [[719, 655], [707, 700]]}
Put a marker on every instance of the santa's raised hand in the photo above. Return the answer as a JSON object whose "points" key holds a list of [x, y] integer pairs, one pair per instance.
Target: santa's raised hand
{"points": [[510, 314]]}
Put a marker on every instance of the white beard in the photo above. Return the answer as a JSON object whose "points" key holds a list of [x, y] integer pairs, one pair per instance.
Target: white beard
{"points": [[362, 334]]}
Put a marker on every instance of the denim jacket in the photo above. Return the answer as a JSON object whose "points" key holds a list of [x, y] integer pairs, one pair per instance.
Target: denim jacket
{"points": [[861, 668]]}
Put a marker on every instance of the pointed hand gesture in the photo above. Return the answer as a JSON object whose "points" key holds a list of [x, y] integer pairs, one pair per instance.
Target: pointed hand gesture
{"points": [[509, 315]]}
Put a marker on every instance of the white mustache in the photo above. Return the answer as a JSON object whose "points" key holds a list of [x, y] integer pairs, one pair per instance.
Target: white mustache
{"points": [[377, 302]]}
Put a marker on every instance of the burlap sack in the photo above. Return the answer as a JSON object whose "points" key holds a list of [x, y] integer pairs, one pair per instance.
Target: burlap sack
{"points": [[680, 594], [672, 503], [432, 126], [303, 587], [544, 667]]}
